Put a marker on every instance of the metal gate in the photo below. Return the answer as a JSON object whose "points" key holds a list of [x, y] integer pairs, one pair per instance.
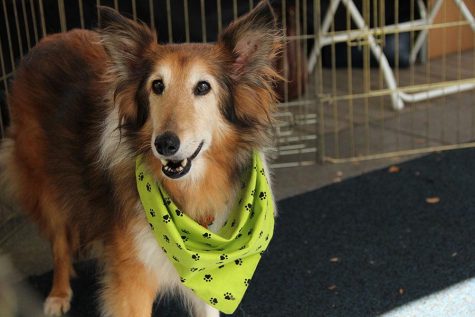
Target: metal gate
{"points": [[366, 78]]}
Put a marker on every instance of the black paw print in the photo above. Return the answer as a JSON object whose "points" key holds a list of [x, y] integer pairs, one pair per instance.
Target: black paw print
{"points": [[220, 267], [179, 213], [179, 246], [249, 232], [223, 257], [149, 187], [151, 226], [247, 281], [175, 258], [185, 238], [267, 238], [228, 296], [164, 250], [208, 278], [252, 214], [183, 280], [207, 235], [238, 262], [253, 192], [185, 231], [248, 207], [195, 257], [193, 269], [233, 223], [260, 234], [238, 236], [166, 219], [165, 237], [262, 172], [213, 301], [152, 212], [167, 201], [263, 195], [141, 176]]}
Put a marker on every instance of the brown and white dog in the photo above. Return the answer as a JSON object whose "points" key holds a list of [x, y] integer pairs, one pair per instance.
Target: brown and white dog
{"points": [[85, 104]]}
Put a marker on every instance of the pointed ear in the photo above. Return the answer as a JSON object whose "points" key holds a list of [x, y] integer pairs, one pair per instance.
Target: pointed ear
{"points": [[125, 40], [254, 41]]}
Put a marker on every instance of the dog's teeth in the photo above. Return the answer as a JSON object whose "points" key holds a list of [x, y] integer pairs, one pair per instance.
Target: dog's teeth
{"points": [[184, 162], [179, 169], [164, 162]]}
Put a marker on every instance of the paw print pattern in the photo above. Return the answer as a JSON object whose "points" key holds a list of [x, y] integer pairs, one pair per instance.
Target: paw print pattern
{"points": [[166, 238], [249, 232], [253, 192], [193, 269], [179, 213], [185, 238], [208, 278], [179, 246], [247, 281], [166, 219], [151, 226], [238, 236], [213, 301], [164, 250], [248, 207], [183, 280], [228, 296], [207, 235], [149, 187], [152, 212], [223, 257], [252, 214], [167, 201], [238, 262], [233, 223], [185, 231], [195, 257], [220, 267], [262, 195], [262, 172], [175, 258], [141, 176]]}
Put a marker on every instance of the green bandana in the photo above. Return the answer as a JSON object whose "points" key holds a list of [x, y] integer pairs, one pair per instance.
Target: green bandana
{"points": [[217, 267]]}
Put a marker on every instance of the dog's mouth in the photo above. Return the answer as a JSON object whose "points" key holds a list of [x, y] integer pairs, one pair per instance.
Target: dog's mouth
{"points": [[176, 169]]}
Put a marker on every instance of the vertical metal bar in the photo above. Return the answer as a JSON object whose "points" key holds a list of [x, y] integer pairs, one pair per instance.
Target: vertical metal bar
{"points": [[411, 67], [349, 62], [444, 71], [116, 5], [33, 17], [203, 20], [220, 16], [5, 88], [169, 22], [336, 128], [235, 10], [459, 77], [187, 21], [151, 9], [134, 10], [366, 78], [62, 15], [17, 25], [251, 5], [81, 12], [321, 146], [42, 16], [396, 66], [9, 37], [27, 25]]}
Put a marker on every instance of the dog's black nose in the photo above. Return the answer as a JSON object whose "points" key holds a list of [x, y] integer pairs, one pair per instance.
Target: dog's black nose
{"points": [[167, 144]]}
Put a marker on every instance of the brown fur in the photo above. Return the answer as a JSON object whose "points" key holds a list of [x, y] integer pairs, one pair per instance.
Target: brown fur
{"points": [[63, 93]]}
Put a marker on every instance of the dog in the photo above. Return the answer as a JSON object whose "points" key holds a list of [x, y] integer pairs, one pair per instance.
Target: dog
{"points": [[85, 104]]}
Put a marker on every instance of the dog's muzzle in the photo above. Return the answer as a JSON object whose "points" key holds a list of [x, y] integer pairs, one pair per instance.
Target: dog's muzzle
{"points": [[176, 169]]}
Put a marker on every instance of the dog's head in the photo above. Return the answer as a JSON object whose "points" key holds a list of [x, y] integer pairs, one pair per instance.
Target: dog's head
{"points": [[185, 104]]}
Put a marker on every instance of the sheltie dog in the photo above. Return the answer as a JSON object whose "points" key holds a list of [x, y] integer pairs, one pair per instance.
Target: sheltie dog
{"points": [[84, 104]]}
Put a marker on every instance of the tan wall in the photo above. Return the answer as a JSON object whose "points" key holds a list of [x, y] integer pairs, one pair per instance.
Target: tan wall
{"points": [[451, 39]]}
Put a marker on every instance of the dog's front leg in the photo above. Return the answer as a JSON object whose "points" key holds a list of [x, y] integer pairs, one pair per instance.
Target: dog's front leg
{"points": [[129, 289]]}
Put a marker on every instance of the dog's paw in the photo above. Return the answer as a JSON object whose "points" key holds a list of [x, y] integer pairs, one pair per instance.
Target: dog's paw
{"points": [[57, 306]]}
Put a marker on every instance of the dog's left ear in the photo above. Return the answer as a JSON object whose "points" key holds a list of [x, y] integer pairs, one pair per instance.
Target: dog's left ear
{"points": [[254, 40]]}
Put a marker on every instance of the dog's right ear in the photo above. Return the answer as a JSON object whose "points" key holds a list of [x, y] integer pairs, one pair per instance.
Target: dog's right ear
{"points": [[125, 41]]}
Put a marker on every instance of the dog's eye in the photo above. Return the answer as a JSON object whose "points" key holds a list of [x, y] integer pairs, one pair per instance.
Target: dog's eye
{"points": [[158, 86], [202, 88]]}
